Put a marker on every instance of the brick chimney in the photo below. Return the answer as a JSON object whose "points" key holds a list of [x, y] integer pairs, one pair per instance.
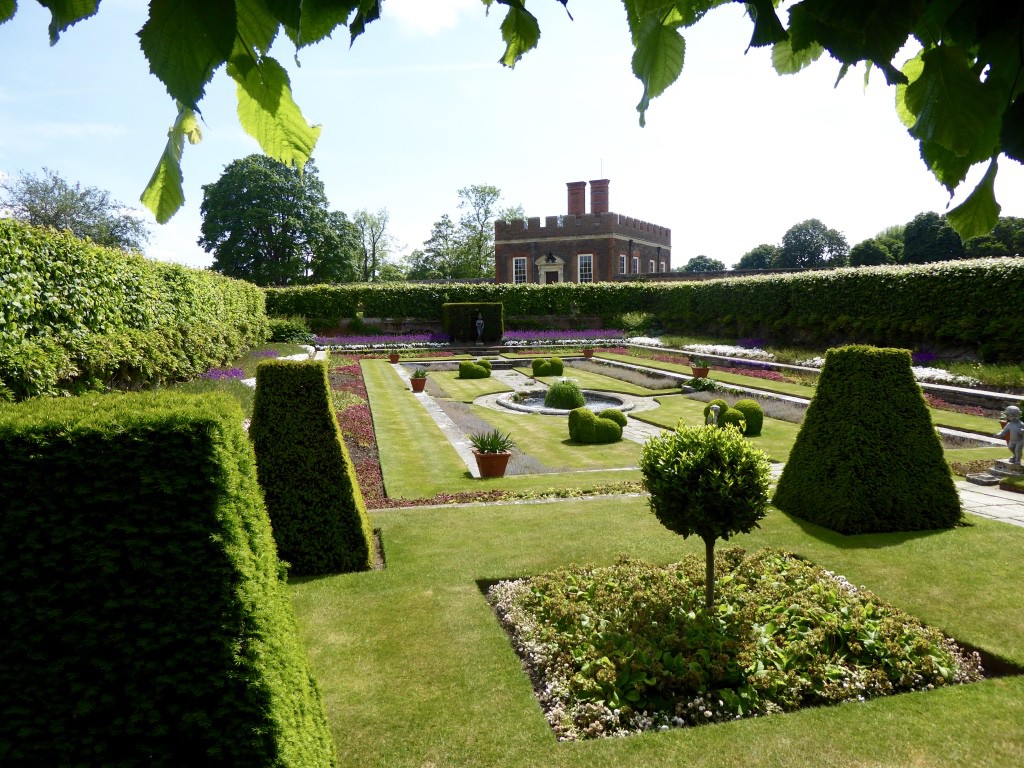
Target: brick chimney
{"points": [[577, 197], [599, 195]]}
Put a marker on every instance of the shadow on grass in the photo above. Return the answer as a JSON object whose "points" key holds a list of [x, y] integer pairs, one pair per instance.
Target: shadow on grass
{"points": [[860, 540]]}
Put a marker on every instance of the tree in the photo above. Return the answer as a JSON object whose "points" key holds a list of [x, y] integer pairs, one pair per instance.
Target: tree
{"points": [[375, 243], [812, 245], [961, 97], [707, 481], [269, 224], [703, 264], [870, 252], [1006, 239], [441, 254], [761, 257], [50, 201], [892, 239], [929, 237]]}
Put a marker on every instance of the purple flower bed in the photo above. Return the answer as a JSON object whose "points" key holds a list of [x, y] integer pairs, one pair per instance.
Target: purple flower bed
{"points": [[223, 373], [589, 333], [369, 341]]}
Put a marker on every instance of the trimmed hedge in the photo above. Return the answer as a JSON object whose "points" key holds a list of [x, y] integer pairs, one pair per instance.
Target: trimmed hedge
{"points": [[294, 329], [148, 622], [552, 366], [723, 406], [76, 316], [480, 369], [734, 417], [564, 394], [945, 305], [615, 415], [317, 510], [588, 428], [867, 458], [753, 415]]}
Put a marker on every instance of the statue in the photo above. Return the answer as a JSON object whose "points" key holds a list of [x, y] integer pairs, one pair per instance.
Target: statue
{"points": [[479, 328], [1014, 432], [712, 417]]}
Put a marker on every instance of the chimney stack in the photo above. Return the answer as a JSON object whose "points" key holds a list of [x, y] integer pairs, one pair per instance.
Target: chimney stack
{"points": [[599, 195], [577, 197]]}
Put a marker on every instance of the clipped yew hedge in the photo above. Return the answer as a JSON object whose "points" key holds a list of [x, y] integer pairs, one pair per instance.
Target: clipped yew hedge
{"points": [[146, 614], [75, 316], [867, 458], [957, 305], [317, 510]]}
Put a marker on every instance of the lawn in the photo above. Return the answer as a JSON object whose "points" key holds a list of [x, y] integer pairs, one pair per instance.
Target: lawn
{"points": [[600, 383], [466, 390], [415, 670]]}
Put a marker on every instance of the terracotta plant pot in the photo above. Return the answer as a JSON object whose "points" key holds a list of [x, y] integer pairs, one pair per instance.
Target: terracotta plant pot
{"points": [[393, 357], [492, 464], [700, 373], [588, 353], [418, 384]]}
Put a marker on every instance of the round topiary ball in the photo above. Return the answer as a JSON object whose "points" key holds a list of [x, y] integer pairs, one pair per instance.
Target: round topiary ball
{"points": [[564, 394], [732, 416], [615, 415], [753, 414], [722, 408]]}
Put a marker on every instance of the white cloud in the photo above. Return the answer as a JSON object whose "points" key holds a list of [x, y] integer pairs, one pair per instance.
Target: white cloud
{"points": [[418, 18]]}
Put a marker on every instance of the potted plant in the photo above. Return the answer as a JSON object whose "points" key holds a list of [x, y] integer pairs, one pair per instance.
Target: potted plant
{"points": [[700, 368], [393, 357], [588, 351], [418, 380], [492, 450]]}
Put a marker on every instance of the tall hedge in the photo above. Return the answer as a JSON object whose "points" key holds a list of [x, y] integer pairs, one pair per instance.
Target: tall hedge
{"points": [[315, 505], [956, 305], [867, 458], [75, 316], [146, 616]]}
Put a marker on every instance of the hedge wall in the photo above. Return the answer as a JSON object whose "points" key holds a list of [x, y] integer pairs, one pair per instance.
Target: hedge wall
{"points": [[75, 316], [317, 510], [146, 616], [960, 304]]}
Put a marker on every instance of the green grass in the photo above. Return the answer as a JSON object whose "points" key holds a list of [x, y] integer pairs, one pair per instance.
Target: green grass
{"points": [[467, 390], [601, 383], [415, 670]]}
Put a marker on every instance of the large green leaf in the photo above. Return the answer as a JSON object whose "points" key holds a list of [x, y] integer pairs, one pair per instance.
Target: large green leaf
{"points": [[257, 24], [185, 41], [267, 111], [950, 169], [7, 9], [519, 30], [978, 214], [954, 108], [368, 10], [63, 13], [320, 18], [164, 194], [786, 61], [658, 59], [768, 30], [912, 71]]}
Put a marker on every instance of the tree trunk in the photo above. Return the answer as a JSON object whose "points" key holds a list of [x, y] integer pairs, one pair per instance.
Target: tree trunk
{"points": [[709, 574]]}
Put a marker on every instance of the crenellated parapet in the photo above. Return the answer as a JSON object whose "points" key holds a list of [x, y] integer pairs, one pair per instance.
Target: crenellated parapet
{"points": [[587, 225]]}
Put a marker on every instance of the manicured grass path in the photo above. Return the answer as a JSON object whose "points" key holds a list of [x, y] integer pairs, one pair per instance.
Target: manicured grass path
{"points": [[415, 670]]}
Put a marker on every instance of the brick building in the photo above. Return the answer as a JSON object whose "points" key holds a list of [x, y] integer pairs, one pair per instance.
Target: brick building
{"points": [[580, 247]]}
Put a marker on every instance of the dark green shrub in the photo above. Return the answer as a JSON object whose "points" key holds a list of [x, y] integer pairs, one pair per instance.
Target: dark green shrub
{"points": [[734, 417], [459, 321], [552, 366], [557, 367], [615, 415], [315, 505], [564, 394], [149, 623], [588, 428], [867, 458], [470, 370], [706, 481], [293, 328], [483, 362], [753, 414], [723, 406]]}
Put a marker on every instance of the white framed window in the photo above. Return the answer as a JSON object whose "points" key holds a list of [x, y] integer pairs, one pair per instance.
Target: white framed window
{"points": [[650, 265], [519, 269], [586, 268], [636, 265], [622, 264], [661, 266]]}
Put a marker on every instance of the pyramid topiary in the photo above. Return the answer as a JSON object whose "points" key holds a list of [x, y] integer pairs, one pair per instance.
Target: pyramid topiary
{"points": [[315, 505], [867, 458]]}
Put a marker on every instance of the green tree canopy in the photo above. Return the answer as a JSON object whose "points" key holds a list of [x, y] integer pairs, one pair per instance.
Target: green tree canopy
{"points": [[812, 245], [703, 264], [961, 96], [269, 224], [48, 200], [930, 237], [374, 244], [760, 257], [870, 252]]}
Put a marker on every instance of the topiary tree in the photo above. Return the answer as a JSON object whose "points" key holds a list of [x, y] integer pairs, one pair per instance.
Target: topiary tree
{"points": [[615, 415], [753, 414], [552, 366], [867, 458], [706, 481], [732, 417], [470, 370], [564, 394], [723, 406], [588, 428], [315, 505]]}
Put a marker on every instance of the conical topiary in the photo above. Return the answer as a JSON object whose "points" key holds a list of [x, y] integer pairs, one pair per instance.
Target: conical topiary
{"points": [[867, 458]]}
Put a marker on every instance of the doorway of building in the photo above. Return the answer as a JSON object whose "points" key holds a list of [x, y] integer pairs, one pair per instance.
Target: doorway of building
{"points": [[551, 276]]}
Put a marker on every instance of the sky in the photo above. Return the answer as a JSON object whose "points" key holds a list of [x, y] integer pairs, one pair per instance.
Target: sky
{"points": [[732, 155]]}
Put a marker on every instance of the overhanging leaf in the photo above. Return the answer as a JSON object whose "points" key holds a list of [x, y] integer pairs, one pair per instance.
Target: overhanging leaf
{"points": [[257, 25], [948, 168], [520, 31], [768, 30], [1012, 134], [657, 61], [63, 13], [185, 41], [369, 10], [912, 71], [786, 61], [319, 18], [164, 194], [978, 214], [268, 113], [7, 9]]}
